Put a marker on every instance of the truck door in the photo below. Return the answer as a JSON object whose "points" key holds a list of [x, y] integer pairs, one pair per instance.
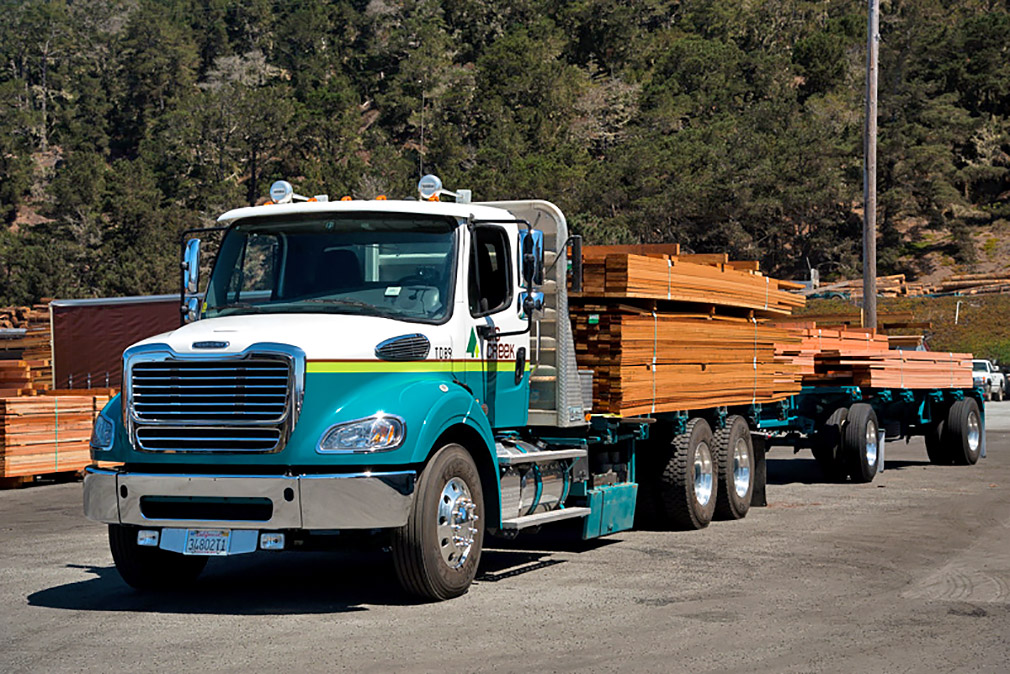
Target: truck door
{"points": [[496, 366]]}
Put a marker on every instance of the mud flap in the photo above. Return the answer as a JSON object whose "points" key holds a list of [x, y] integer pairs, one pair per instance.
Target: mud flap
{"points": [[758, 498]]}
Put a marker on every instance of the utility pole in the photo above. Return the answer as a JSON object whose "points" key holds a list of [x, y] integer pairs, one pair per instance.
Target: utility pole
{"points": [[870, 171]]}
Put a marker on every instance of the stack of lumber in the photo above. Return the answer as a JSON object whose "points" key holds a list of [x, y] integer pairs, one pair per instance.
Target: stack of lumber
{"points": [[664, 362], [664, 276], [976, 284], [46, 434], [891, 320], [887, 286], [665, 331], [24, 377], [863, 358], [27, 342]]}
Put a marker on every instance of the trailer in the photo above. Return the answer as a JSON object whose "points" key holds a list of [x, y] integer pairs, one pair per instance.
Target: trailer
{"points": [[406, 371]]}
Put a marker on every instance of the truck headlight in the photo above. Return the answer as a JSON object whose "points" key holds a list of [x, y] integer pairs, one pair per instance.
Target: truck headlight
{"points": [[374, 434], [103, 433]]}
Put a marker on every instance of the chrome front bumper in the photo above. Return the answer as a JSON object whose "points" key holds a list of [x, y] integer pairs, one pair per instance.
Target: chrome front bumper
{"points": [[332, 501]]}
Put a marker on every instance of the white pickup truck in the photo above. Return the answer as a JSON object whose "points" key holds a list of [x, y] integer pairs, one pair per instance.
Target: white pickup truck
{"points": [[985, 374]]}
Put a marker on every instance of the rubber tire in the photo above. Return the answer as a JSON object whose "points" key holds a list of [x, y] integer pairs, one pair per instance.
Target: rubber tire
{"points": [[827, 447], [937, 448], [416, 557], [960, 452], [677, 479], [729, 505], [854, 443], [151, 569]]}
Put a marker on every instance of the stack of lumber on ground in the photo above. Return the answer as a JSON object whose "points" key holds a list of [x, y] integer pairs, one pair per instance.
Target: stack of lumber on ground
{"points": [[887, 286], [863, 358], [46, 434], [678, 361], [891, 320], [24, 377], [664, 331], [976, 284], [709, 280], [32, 348]]}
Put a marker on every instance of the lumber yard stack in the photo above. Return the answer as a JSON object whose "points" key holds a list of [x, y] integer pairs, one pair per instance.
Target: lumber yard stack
{"points": [[46, 434], [25, 350], [666, 332], [887, 286], [858, 357]]}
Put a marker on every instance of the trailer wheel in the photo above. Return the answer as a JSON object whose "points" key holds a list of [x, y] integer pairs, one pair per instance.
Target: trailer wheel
{"points": [[150, 568], [860, 443], [964, 432], [937, 448], [827, 447], [688, 485], [735, 453], [436, 553]]}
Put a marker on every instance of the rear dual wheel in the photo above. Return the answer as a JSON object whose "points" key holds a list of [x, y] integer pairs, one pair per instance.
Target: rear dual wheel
{"points": [[847, 444], [735, 451], [688, 485], [957, 438]]}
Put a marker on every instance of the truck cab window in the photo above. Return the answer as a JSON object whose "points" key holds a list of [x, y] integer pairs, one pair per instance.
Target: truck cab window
{"points": [[490, 282]]}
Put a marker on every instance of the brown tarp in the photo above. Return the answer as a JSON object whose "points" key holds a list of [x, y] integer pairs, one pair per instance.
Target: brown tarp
{"points": [[89, 336]]}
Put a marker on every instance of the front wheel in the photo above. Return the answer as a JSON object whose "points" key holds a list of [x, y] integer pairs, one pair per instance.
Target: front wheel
{"points": [[437, 552], [150, 568]]}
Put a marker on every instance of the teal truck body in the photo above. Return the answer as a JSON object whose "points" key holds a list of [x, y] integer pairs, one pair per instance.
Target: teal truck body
{"points": [[406, 370]]}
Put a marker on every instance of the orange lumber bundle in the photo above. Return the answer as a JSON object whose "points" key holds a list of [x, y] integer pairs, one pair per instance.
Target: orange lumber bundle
{"points": [[665, 362], [46, 434], [33, 346], [863, 358], [668, 277]]}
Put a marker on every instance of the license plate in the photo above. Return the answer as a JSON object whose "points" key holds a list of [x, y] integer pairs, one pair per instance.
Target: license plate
{"points": [[207, 542]]}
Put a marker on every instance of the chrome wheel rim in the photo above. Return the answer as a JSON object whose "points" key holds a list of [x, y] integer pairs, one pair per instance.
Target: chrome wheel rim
{"points": [[456, 525], [703, 474], [870, 450], [974, 431], [741, 468]]}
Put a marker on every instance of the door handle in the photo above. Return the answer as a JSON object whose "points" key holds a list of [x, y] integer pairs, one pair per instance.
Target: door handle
{"points": [[520, 364]]}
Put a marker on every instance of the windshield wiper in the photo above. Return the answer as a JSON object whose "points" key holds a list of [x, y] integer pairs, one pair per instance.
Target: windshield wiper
{"points": [[258, 308], [334, 300]]}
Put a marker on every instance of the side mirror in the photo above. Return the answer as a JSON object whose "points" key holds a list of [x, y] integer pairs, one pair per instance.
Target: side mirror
{"points": [[531, 257], [191, 310], [191, 266]]}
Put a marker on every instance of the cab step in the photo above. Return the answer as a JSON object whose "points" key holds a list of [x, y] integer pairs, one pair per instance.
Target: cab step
{"points": [[536, 520]]}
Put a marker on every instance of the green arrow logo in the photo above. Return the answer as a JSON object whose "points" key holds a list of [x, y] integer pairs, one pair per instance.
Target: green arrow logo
{"points": [[473, 346]]}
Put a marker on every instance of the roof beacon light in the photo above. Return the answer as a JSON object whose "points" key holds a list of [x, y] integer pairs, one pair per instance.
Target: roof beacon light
{"points": [[281, 192], [430, 189]]}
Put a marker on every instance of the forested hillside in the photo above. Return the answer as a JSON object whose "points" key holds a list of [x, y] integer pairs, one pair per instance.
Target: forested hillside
{"points": [[722, 124]]}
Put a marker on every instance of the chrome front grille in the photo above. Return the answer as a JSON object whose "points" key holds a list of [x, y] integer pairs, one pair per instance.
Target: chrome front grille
{"points": [[181, 391], [245, 402]]}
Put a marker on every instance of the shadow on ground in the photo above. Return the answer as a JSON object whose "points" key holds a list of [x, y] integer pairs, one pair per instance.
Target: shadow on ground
{"points": [[804, 470], [295, 582]]}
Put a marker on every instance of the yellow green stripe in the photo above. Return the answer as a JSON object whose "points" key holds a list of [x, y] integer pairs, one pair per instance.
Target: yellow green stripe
{"points": [[357, 367]]}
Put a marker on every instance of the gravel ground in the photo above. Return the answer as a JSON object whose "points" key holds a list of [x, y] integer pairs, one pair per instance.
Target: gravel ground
{"points": [[908, 574]]}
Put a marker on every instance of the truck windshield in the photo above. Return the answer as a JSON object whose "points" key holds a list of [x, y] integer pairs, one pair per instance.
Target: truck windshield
{"points": [[393, 265]]}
